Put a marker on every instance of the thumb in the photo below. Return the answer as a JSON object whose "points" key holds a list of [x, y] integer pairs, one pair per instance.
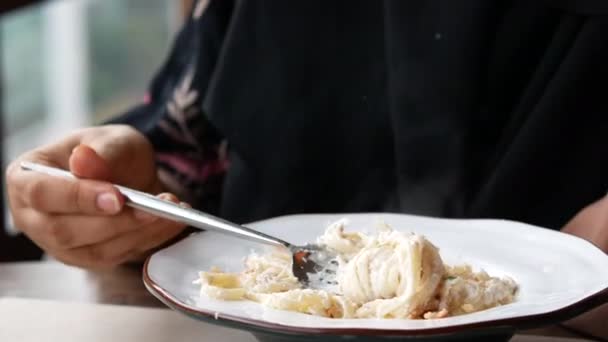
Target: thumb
{"points": [[86, 163]]}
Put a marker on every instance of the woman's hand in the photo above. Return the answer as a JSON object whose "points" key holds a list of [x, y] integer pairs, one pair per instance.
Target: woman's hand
{"points": [[84, 222], [591, 224]]}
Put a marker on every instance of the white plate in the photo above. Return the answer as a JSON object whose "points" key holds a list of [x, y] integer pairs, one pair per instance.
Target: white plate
{"points": [[559, 275]]}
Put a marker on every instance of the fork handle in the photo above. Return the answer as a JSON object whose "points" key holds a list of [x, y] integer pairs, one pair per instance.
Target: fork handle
{"points": [[169, 210]]}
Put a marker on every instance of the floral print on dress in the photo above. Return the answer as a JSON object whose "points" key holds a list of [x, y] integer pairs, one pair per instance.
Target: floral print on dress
{"points": [[182, 108], [199, 8], [187, 171], [191, 154]]}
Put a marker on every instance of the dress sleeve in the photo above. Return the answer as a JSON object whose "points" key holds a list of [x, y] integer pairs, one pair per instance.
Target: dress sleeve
{"points": [[190, 152]]}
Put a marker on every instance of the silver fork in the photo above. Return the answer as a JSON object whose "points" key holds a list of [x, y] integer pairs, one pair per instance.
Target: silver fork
{"points": [[308, 259]]}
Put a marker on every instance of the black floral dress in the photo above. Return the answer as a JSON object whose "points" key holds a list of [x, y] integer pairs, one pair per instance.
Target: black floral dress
{"points": [[458, 109]]}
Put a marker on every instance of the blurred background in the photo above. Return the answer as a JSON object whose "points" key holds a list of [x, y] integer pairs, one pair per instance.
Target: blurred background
{"points": [[70, 63]]}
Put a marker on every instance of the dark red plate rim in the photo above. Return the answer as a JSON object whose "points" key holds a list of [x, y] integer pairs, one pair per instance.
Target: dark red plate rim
{"points": [[513, 323]]}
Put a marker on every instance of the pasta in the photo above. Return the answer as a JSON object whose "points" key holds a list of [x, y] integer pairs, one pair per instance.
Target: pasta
{"points": [[390, 274]]}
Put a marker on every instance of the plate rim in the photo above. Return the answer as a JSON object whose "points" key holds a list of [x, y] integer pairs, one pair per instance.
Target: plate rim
{"points": [[510, 323]]}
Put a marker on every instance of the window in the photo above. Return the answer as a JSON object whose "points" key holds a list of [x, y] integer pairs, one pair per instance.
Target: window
{"points": [[72, 63]]}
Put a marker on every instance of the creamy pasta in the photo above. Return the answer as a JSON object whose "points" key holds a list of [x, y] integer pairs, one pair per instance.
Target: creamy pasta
{"points": [[390, 274]]}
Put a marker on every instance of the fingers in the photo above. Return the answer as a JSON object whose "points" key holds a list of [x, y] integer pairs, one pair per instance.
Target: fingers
{"points": [[98, 241], [56, 195], [86, 163], [63, 232], [127, 153], [124, 247]]}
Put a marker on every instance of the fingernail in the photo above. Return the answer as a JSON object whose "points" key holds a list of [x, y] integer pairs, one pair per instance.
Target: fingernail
{"points": [[167, 197], [108, 202], [143, 216]]}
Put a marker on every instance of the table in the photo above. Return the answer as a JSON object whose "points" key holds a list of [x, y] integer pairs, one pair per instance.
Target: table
{"points": [[53, 280], [123, 286]]}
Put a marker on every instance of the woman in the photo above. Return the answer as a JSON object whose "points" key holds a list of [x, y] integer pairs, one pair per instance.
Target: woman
{"points": [[456, 109]]}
